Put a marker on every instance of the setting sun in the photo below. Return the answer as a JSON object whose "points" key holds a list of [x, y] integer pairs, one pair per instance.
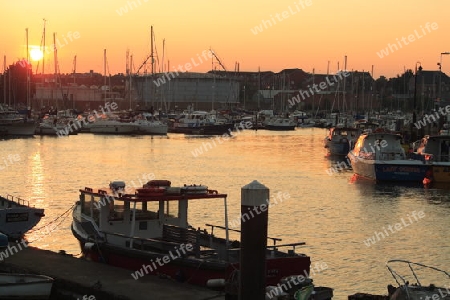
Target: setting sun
{"points": [[36, 54]]}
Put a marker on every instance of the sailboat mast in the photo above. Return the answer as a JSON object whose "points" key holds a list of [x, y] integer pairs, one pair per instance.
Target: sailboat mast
{"points": [[4, 79], [43, 49], [104, 75], [55, 57], [152, 64], [28, 72]]}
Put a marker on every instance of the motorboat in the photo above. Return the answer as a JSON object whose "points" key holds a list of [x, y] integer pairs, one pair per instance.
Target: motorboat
{"points": [[148, 124], [380, 156], [52, 125], [25, 286], [12, 123], [434, 150], [17, 216], [340, 139], [411, 288], [131, 228], [200, 123], [280, 124]]}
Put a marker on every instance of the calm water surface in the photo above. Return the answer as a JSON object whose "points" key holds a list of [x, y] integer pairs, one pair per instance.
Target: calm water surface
{"points": [[333, 214]]}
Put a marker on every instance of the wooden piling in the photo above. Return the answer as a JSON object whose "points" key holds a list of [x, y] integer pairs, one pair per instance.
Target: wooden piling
{"points": [[254, 222]]}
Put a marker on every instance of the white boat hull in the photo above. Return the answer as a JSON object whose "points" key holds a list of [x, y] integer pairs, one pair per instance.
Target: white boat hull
{"points": [[126, 128], [16, 219], [25, 286]]}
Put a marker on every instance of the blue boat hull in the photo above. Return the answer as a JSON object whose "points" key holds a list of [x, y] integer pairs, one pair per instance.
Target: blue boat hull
{"points": [[406, 171], [401, 172]]}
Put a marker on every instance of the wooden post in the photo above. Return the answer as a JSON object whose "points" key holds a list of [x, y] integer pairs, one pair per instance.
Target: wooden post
{"points": [[254, 220]]}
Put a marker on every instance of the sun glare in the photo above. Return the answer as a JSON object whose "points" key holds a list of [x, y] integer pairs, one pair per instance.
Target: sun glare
{"points": [[36, 54]]}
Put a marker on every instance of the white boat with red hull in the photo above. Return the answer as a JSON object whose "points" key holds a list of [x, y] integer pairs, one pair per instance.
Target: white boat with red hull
{"points": [[136, 228]]}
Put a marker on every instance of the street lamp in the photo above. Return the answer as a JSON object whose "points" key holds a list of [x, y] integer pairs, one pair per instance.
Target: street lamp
{"points": [[440, 74], [415, 91]]}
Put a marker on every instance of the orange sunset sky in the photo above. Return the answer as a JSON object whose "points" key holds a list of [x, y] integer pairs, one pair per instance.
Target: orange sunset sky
{"points": [[292, 34]]}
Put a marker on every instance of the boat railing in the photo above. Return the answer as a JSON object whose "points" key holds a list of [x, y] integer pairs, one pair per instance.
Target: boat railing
{"points": [[145, 243], [18, 200], [411, 265], [274, 240]]}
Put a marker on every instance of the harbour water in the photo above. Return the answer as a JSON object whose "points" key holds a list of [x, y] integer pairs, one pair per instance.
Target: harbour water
{"points": [[334, 214]]}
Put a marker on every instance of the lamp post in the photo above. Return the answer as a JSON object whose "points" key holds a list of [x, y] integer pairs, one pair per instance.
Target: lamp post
{"points": [[440, 74]]}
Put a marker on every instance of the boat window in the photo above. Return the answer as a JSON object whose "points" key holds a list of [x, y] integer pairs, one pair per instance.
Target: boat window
{"points": [[171, 209]]}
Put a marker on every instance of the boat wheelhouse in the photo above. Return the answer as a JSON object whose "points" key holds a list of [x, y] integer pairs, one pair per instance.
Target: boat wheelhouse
{"points": [[131, 228], [380, 156], [340, 139]]}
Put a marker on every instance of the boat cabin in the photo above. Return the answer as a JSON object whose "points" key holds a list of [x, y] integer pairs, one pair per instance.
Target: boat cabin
{"points": [[126, 216], [379, 146], [435, 148]]}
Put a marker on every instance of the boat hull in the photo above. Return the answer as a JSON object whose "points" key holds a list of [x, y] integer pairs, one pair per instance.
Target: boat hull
{"points": [[19, 129], [203, 130], [441, 173], [16, 219], [113, 129], [410, 171], [24, 286], [279, 128], [190, 270], [337, 148]]}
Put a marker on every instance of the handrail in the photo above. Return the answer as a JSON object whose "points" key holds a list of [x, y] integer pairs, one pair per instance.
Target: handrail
{"points": [[410, 263], [235, 230]]}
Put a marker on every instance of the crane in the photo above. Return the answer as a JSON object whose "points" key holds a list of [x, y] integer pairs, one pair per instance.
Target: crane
{"points": [[218, 60]]}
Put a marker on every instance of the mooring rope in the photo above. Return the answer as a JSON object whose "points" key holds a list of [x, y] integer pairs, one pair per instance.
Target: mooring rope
{"points": [[63, 216]]}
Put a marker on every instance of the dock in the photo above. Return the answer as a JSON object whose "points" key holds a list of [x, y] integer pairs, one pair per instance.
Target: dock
{"points": [[77, 277]]}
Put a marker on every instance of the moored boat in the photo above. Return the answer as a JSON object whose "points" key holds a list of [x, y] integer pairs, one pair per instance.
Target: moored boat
{"points": [[25, 286], [380, 156], [280, 124], [148, 124], [17, 216], [340, 140], [200, 123], [130, 229], [434, 150]]}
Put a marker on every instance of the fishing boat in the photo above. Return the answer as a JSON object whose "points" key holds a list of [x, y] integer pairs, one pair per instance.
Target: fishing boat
{"points": [[25, 286], [17, 216], [340, 139], [380, 156], [407, 289], [132, 228], [434, 150]]}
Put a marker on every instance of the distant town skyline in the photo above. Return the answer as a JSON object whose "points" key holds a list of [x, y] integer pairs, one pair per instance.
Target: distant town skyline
{"points": [[386, 37]]}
